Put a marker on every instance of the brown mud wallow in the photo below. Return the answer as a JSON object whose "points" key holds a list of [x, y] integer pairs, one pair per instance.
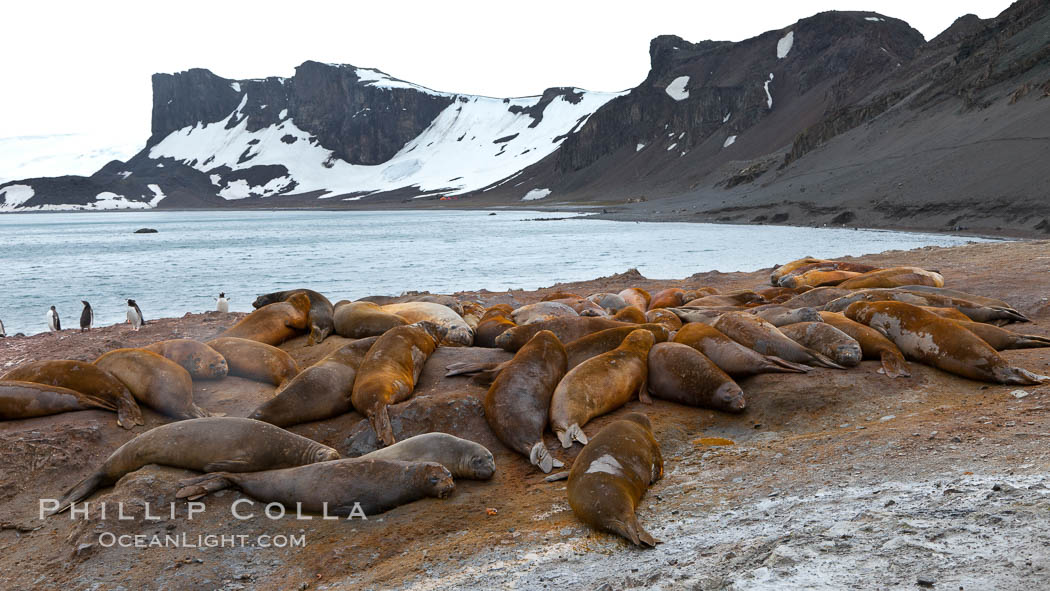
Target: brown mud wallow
{"points": [[830, 479]]}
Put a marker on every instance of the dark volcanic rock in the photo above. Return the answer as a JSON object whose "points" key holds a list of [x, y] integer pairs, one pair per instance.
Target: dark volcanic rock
{"points": [[145, 231]]}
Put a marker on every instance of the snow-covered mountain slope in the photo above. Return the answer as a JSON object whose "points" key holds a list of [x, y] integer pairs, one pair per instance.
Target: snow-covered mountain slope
{"points": [[54, 155], [472, 143], [328, 134]]}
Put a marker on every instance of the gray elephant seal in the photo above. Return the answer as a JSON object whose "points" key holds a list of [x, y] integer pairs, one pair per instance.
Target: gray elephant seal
{"points": [[338, 487], [320, 391], [462, 457], [207, 445], [157, 382]]}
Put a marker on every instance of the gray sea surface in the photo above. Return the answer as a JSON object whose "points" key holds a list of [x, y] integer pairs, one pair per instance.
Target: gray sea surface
{"points": [[59, 259]]}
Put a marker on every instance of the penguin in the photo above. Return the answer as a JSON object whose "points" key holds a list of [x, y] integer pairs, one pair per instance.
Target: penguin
{"points": [[135, 315], [53, 322], [2, 333], [87, 317], [222, 303]]}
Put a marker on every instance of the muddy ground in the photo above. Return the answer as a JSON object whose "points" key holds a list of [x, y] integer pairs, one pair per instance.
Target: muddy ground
{"points": [[831, 480]]}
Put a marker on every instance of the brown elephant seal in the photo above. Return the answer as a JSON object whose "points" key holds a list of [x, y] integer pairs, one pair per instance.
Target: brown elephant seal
{"points": [[782, 316], [671, 297], [566, 329], [665, 317], [457, 332], [826, 339], [782, 270], [27, 400], [637, 297], [974, 310], [682, 374], [489, 330], [203, 362], [729, 355], [86, 378], [1001, 339], [256, 361], [207, 445], [940, 342], [517, 404], [320, 318], [274, 323], [610, 302], [472, 314], [389, 371], [612, 474], [461, 457], [630, 314], [155, 381], [559, 295], [606, 340], [701, 315], [320, 391], [359, 320], [742, 297], [817, 278], [539, 312], [894, 277], [873, 344], [498, 310], [755, 333], [341, 487], [600, 385]]}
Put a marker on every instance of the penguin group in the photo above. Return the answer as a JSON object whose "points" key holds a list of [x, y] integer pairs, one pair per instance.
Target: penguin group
{"points": [[134, 315]]}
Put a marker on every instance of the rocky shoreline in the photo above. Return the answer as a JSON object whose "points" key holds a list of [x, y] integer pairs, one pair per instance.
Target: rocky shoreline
{"points": [[830, 480]]}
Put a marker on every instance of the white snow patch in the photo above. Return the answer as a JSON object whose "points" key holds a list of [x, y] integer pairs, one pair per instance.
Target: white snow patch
{"points": [[769, 97], [607, 464], [383, 80], [236, 86], [726, 118], [160, 165], [124, 174], [458, 143], [784, 45], [681, 135], [13, 196], [536, 194], [234, 190], [283, 114], [874, 19], [672, 146], [676, 89], [158, 195], [109, 200], [639, 147], [729, 141], [215, 179]]}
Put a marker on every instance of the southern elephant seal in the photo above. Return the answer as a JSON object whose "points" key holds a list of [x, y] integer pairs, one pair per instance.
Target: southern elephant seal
{"points": [[873, 344], [637, 297], [463, 458], [600, 385], [319, 319], [27, 400], [665, 317], [340, 487], [682, 374], [940, 343], [457, 332], [606, 340], [517, 404], [541, 311], [86, 378], [207, 445], [894, 277], [389, 371], [274, 323], [318, 392], [255, 361], [361, 319], [755, 333], [729, 355], [566, 329], [199, 359], [155, 381], [826, 339], [612, 474]]}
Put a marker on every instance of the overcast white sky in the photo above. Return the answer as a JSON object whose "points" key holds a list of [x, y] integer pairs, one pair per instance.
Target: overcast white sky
{"points": [[84, 67]]}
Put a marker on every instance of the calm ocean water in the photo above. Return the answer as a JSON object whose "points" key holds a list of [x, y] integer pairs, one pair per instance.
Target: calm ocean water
{"points": [[59, 259]]}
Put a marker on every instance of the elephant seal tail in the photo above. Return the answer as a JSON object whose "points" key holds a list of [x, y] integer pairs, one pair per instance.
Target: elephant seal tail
{"points": [[195, 488], [128, 412], [787, 366], [635, 532], [79, 491], [573, 433], [894, 366], [380, 420]]}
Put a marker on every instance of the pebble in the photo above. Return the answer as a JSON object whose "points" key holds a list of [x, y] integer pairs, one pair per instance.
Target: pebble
{"points": [[1019, 393], [925, 581]]}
